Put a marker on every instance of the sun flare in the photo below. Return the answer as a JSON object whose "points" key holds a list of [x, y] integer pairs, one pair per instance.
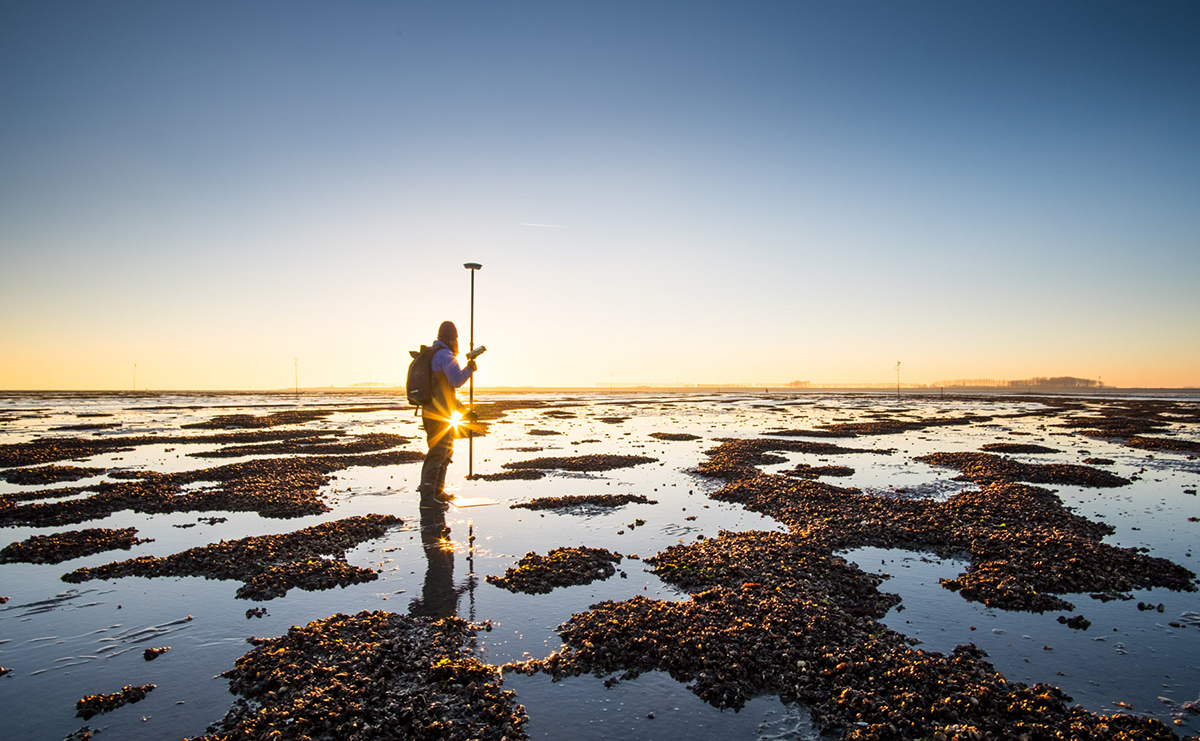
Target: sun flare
{"points": [[456, 419]]}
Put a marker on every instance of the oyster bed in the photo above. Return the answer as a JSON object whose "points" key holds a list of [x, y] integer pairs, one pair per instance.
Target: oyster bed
{"points": [[272, 487], [985, 467], [609, 501], [592, 462], [1016, 581], [49, 474], [368, 676], [96, 704], [65, 546], [268, 565], [806, 471], [561, 567], [807, 634]]}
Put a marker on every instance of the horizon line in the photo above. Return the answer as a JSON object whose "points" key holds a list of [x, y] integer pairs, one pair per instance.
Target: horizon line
{"points": [[618, 387]]}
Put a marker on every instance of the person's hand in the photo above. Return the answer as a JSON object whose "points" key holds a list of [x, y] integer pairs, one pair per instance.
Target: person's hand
{"points": [[472, 365]]}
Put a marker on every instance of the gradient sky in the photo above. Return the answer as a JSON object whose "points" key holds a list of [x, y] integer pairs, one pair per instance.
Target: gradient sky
{"points": [[659, 192]]}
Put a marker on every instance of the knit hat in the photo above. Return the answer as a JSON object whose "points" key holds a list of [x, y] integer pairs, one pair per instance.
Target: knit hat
{"points": [[448, 334]]}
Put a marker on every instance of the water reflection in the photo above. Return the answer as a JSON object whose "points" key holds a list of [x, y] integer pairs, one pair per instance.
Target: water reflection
{"points": [[439, 598]]}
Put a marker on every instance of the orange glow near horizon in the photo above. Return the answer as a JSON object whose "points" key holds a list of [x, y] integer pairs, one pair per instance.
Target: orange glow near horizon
{"points": [[726, 208]]}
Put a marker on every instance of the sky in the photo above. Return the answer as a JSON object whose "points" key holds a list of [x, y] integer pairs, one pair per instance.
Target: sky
{"points": [[225, 195]]}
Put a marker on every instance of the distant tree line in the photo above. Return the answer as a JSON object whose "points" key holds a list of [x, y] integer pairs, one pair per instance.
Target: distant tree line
{"points": [[1058, 382]]}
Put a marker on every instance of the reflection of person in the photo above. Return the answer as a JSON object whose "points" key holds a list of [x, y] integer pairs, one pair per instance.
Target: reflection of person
{"points": [[447, 376], [439, 599]]}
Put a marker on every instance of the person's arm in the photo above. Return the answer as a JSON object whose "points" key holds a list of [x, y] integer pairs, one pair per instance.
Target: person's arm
{"points": [[445, 362]]}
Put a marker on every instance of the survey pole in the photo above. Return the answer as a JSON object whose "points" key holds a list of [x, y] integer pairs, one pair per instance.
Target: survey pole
{"points": [[472, 266]]}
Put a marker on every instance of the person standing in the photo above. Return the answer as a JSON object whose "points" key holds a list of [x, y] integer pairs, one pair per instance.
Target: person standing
{"points": [[436, 416]]}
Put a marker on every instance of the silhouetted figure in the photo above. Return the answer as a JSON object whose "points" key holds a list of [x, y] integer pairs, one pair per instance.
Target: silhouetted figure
{"points": [[435, 416], [439, 598]]}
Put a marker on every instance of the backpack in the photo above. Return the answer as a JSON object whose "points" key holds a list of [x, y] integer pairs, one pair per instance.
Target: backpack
{"points": [[420, 376]]}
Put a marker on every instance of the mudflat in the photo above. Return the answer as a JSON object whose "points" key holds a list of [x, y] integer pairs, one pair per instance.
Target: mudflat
{"points": [[1038, 552]]}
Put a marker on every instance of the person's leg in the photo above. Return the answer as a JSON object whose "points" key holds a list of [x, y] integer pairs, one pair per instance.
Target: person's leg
{"points": [[430, 466], [433, 471], [441, 478]]}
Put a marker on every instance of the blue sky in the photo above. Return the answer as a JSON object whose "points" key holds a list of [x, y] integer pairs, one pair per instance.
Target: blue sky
{"points": [[753, 192]]}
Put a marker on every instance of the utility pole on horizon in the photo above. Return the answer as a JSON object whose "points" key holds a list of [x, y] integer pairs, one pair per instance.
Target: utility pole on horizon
{"points": [[296, 366], [897, 379]]}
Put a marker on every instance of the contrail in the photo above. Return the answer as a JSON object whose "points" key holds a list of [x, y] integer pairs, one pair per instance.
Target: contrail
{"points": [[546, 226]]}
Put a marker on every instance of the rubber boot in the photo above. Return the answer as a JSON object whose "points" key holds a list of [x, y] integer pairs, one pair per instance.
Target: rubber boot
{"points": [[429, 499], [441, 495]]}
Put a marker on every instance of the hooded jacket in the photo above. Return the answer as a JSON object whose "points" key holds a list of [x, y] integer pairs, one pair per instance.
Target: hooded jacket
{"points": [[447, 376]]}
